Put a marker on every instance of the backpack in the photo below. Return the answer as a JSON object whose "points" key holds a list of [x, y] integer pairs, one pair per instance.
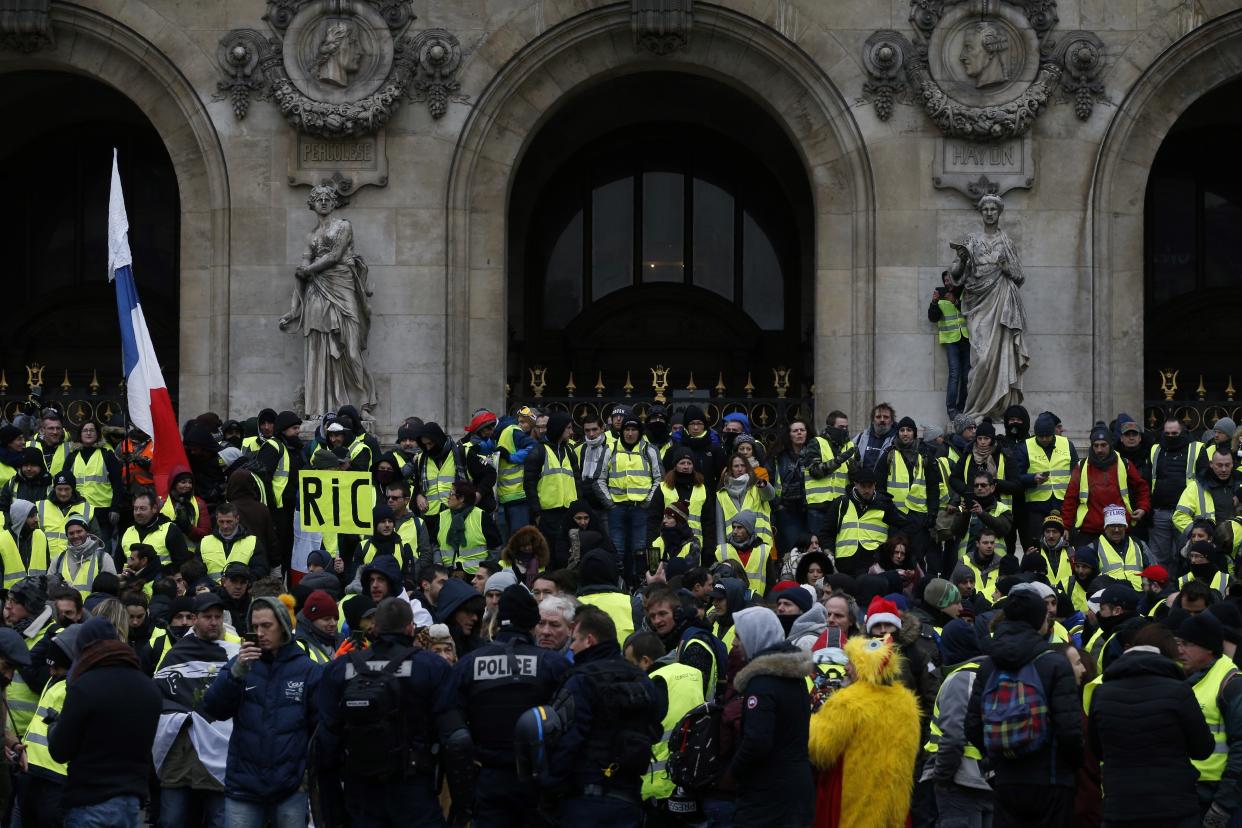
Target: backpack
{"points": [[1015, 712], [374, 739], [694, 756], [623, 726]]}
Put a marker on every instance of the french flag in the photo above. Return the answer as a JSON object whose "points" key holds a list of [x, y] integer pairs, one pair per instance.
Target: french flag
{"points": [[150, 406]]}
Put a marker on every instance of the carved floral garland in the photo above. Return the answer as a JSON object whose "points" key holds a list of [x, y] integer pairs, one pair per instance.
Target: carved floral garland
{"points": [[1008, 120]]}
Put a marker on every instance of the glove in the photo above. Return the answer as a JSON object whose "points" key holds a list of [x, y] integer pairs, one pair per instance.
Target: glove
{"points": [[407, 470], [519, 456], [239, 668], [486, 446], [1215, 817], [761, 473], [114, 518]]}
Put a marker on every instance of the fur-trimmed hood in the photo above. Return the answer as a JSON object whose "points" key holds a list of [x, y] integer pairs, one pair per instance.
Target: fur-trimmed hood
{"points": [[911, 629], [783, 663]]}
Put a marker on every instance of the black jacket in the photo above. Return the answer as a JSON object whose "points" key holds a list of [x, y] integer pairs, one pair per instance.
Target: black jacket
{"points": [[1014, 644], [1146, 726], [104, 732], [771, 766]]}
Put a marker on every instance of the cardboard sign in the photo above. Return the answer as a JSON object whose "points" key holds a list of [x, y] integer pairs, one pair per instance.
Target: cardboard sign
{"points": [[337, 501]]}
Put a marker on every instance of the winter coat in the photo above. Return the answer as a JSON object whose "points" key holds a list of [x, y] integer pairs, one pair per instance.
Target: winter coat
{"points": [[770, 767], [274, 713], [1013, 645], [1146, 726], [949, 764], [243, 492], [1102, 492], [920, 666]]}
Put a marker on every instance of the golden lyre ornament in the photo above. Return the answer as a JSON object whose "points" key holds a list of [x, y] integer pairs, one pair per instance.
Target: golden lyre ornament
{"points": [[538, 381], [659, 383], [780, 381], [34, 375], [1168, 382]]}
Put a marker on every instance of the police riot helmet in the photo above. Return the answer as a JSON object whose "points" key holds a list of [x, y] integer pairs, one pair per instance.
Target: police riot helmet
{"points": [[534, 735]]}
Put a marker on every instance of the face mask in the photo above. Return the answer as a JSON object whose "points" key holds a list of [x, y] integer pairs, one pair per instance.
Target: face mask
{"points": [[837, 435], [658, 430], [1203, 571], [1014, 429], [1173, 443], [177, 630], [1111, 623], [787, 622]]}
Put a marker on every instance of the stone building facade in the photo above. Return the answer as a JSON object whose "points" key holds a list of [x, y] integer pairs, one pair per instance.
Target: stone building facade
{"points": [[876, 200]]}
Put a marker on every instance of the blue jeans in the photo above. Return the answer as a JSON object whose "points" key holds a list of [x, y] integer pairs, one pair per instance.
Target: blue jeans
{"points": [[958, 354], [290, 812], [176, 805], [790, 523], [117, 812], [627, 527], [517, 515], [816, 517]]}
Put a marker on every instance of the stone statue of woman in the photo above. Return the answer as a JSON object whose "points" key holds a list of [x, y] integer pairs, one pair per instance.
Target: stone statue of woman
{"points": [[332, 310], [989, 273]]}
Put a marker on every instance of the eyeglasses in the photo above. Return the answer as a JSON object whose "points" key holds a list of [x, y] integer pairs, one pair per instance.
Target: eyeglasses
{"points": [[983, 485], [391, 498]]}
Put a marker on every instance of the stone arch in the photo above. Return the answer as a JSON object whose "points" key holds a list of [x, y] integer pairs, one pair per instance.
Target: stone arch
{"points": [[568, 59], [1202, 60], [153, 75]]}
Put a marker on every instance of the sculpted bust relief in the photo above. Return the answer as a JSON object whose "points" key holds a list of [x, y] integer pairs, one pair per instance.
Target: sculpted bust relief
{"points": [[984, 55], [339, 55]]}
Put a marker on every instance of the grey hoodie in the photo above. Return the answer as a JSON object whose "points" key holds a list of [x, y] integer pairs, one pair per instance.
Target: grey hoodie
{"points": [[807, 629], [758, 629], [278, 609]]}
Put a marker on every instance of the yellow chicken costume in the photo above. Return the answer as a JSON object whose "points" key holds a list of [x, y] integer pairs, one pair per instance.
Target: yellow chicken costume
{"points": [[864, 742]]}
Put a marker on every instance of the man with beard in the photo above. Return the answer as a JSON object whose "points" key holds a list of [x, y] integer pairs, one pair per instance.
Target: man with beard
{"points": [[1211, 494], [190, 750], [1172, 466], [83, 558], [981, 510], [910, 476], [1042, 466], [875, 442], [1053, 552], [1102, 480], [858, 522]]}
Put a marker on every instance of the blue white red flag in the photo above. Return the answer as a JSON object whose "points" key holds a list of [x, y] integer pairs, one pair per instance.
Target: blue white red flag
{"points": [[150, 406]]}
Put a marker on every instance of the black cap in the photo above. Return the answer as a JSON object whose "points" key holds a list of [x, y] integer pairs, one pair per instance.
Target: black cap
{"points": [[182, 604], [1121, 595], [285, 419], [206, 600], [13, 648], [1205, 630], [64, 478], [985, 429], [237, 569], [518, 608], [865, 475]]}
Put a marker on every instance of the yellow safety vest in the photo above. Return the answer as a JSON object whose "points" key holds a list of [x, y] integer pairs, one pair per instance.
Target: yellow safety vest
{"points": [[698, 499], [685, 692], [1058, 634], [557, 484], [169, 510], [52, 519], [756, 567], [1097, 644], [211, 548], [21, 699], [832, 486], [1193, 495], [401, 551], [1207, 691], [251, 444], [630, 474], [1084, 492], [85, 576], [753, 503], [866, 530], [909, 489], [59, 455], [407, 529], [727, 638], [156, 538], [952, 325], [11, 557], [1062, 574], [50, 704], [314, 653], [618, 607], [475, 550], [1078, 595], [1002, 548], [1192, 454], [1000, 475], [280, 475], [92, 478], [438, 480], [1219, 582], [1057, 467], [985, 581], [1129, 563], [946, 473], [933, 742], [658, 543], [508, 474]]}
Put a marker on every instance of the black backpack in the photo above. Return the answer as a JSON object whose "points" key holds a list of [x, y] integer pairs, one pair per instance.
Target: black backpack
{"points": [[374, 739], [695, 761], [623, 728]]}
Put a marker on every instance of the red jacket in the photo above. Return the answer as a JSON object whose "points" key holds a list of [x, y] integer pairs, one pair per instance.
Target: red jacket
{"points": [[1102, 491]]}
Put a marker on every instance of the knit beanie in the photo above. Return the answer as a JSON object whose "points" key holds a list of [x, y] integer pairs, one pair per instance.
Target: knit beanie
{"points": [[986, 429], [1205, 630], [501, 581], [962, 422], [1025, 606], [1225, 426], [518, 608], [798, 596], [939, 593], [319, 604], [1045, 425], [931, 432]]}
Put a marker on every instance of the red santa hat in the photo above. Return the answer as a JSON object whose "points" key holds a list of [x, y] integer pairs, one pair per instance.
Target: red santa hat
{"points": [[881, 611]]}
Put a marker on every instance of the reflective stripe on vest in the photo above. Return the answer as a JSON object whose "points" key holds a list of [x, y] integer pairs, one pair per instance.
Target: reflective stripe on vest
{"points": [[438, 480], [86, 572], [92, 478], [1057, 467], [832, 486], [1130, 563], [169, 510], [211, 548], [1192, 454], [952, 324], [630, 475], [1084, 487], [11, 557], [1002, 548], [21, 699], [685, 692], [658, 543], [508, 474], [59, 455], [475, 550], [49, 704], [1219, 582], [280, 475], [752, 502], [867, 530], [557, 485], [698, 498], [401, 551], [933, 742], [157, 538], [1201, 494], [985, 582], [756, 566], [52, 519], [1207, 692], [909, 491]]}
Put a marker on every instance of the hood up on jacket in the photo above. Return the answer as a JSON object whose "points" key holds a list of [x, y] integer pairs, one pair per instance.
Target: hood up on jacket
{"points": [[453, 595], [386, 565], [278, 609], [809, 626]]}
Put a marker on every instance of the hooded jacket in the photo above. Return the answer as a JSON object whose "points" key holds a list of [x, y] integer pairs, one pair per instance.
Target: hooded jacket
{"points": [[454, 595], [243, 492], [184, 514], [808, 627], [273, 710]]}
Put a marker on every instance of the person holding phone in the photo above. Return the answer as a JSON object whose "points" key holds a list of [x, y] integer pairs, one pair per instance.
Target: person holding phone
{"points": [[945, 311]]}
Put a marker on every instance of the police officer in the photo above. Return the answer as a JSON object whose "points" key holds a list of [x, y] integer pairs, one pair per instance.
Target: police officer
{"points": [[384, 787], [492, 687]]}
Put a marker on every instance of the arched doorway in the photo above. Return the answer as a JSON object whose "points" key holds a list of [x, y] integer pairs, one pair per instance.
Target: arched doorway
{"points": [[1192, 246], [59, 166], [661, 219]]}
